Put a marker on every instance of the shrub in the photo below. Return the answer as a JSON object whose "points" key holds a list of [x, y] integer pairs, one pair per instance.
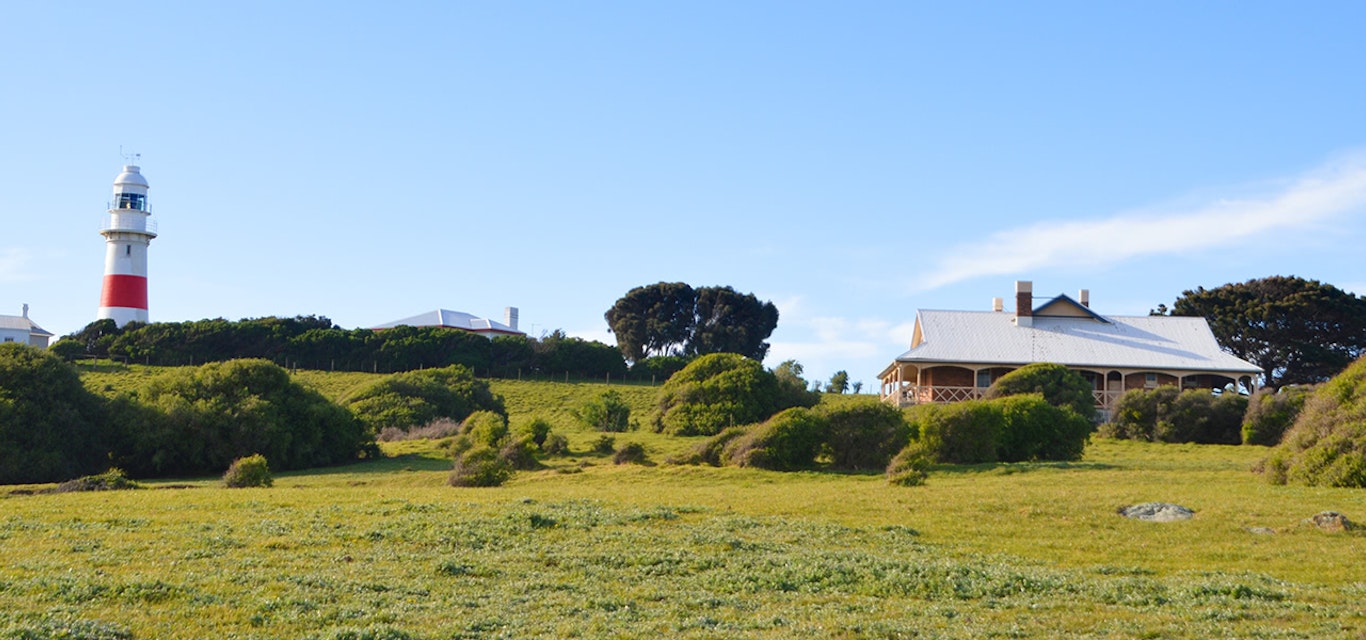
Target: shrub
{"points": [[203, 418], [630, 453], [539, 430], [405, 400], [1270, 413], [863, 435], [251, 471], [962, 432], [1034, 429], [1059, 386], [788, 441], [480, 466], [434, 430], [605, 445], [910, 467], [485, 427], [1166, 414], [51, 427], [712, 450], [716, 391], [1327, 444], [519, 453], [606, 412], [111, 480], [555, 445]]}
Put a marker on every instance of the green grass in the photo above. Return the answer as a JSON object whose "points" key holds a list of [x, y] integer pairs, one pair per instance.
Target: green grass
{"points": [[584, 548]]}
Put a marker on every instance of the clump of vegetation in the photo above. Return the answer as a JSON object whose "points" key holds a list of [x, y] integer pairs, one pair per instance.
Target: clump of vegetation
{"points": [[711, 451], [1270, 413], [630, 453], [406, 400], [605, 445], [1059, 386], [788, 441], [606, 412], [539, 430], [198, 420], [863, 435], [251, 471], [1006, 429], [111, 480], [479, 466], [721, 390], [434, 430], [909, 468], [51, 427], [1166, 414], [1327, 444], [555, 445]]}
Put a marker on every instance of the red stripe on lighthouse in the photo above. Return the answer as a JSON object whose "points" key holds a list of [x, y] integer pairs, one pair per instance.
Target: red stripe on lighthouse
{"points": [[124, 291]]}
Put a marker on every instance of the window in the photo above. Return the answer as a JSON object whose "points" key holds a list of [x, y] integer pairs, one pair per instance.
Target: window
{"points": [[1150, 379], [9, 339], [127, 249], [132, 201], [983, 379]]}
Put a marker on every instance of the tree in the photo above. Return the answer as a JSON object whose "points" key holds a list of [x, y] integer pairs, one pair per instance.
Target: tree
{"points": [[51, 427], [839, 383], [1298, 331], [673, 319]]}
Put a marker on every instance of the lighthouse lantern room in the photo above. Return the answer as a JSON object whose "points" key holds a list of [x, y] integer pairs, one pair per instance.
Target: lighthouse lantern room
{"points": [[127, 234]]}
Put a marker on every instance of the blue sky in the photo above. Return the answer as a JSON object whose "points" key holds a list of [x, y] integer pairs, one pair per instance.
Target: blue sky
{"points": [[850, 161]]}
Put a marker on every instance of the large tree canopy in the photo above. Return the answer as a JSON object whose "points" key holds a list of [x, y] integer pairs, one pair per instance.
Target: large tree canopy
{"points": [[674, 319], [1298, 331]]}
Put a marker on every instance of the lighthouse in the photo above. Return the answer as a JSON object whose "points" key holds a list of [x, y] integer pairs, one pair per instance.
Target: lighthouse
{"points": [[127, 234]]}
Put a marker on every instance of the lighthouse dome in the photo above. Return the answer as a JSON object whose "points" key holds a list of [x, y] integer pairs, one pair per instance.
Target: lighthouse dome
{"points": [[131, 177]]}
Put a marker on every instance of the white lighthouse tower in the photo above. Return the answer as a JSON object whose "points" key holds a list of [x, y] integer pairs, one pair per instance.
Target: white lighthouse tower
{"points": [[127, 234]]}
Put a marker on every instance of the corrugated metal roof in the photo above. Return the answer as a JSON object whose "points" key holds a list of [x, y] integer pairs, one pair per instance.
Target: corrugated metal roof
{"points": [[451, 319], [1125, 342], [23, 324]]}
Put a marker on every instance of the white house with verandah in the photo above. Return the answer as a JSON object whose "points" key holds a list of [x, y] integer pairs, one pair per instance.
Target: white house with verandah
{"points": [[956, 355], [23, 330], [447, 319]]}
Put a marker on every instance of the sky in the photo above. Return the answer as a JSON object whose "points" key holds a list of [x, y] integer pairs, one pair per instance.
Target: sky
{"points": [[849, 161]]}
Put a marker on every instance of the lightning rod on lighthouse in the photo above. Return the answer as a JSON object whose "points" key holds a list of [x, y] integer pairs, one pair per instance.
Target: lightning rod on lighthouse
{"points": [[127, 234]]}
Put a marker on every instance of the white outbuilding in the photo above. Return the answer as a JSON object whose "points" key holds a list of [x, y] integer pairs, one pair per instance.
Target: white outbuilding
{"points": [[23, 330]]}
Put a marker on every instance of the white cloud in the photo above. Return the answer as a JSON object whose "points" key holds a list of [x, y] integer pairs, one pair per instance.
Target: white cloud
{"points": [[1312, 198], [14, 265]]}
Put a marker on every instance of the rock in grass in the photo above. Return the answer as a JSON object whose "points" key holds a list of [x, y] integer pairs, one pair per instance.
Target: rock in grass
{"points": [[1331, 521], [1157, 512]]}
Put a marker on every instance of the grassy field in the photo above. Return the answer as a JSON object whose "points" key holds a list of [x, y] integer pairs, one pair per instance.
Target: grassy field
{"points": [[584, 548]]}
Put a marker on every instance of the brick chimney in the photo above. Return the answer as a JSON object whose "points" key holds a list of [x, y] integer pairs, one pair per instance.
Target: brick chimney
{"points": [[1024, 303]]}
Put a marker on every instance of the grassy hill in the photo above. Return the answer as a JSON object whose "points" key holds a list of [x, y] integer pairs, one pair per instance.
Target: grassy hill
{"points": [[585, 548]]}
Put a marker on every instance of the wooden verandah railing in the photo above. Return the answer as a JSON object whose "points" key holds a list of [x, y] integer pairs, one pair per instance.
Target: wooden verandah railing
{"points": [[926, 394]]}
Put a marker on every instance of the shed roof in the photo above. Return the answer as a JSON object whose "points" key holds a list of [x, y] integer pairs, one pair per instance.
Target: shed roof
{"points": [[1109, 342]]}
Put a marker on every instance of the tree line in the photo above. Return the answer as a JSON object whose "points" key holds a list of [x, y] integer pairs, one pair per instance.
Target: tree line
{"points": [[314, 342]]}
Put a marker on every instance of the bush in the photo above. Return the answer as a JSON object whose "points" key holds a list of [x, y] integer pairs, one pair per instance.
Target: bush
{"points": [[539, 430], [720, 390], [712, 450], [863, 435], [1270, 413], [1059, 386], [111, 480], [630, 453], [520, 453], [203, 418], [605, 445], [1327, 444], [251, 471], [434, 430], [555, 445], [788, 441], [1034, 429], [962, 432], [1166, 414], [51, 427], [910, 467], [480, 466], [606, 412], [406, 400]]}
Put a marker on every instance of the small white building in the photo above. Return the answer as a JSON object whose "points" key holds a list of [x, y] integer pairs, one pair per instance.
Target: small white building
{"points": [[447, 319], [22, 330]]}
